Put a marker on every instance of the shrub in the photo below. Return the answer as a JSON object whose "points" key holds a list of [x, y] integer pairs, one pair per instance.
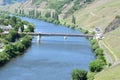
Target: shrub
{"points": [[95, 66], [79, 74], [4, 57], [95, 46], [99, 51], [90, 76]]}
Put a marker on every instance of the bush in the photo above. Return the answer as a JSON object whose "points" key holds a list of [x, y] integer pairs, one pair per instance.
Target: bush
{"points": [[4, 57], [95, 66], [79, 74], [95, 46], [99, 51], [90, 76], [93, 41]]}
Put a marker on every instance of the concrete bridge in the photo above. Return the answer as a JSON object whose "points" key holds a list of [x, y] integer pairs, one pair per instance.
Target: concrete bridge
{"points": [[40, 34]]}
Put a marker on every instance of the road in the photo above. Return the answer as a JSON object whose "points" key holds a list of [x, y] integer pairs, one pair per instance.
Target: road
{"points": [[109, 59]]}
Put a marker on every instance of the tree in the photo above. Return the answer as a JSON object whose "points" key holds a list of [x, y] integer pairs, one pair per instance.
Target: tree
{"points": [[95, 66], [1, 30], [26, 41], [56, 16], [48, 14], [73, 19], [4, 57], [20, 47], [31, 27], [79, 74], [11, 50], [13, 35], [95, 46], [99, 51]]}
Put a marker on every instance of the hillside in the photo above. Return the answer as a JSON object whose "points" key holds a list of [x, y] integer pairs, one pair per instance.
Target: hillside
{"points": [[5, 2], [97, 14], [101, 13]]}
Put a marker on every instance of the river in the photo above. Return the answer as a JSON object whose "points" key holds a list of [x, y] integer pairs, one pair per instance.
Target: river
{"points": [[53, 59]]}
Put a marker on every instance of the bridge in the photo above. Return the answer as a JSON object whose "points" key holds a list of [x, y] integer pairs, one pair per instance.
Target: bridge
{"points": [[40, 34]]}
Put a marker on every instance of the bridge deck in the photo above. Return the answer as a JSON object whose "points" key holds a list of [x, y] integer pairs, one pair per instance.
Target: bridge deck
{"points": [[60, 34], [55, 34]]}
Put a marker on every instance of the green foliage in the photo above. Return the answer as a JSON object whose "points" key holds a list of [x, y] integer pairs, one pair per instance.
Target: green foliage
{"points": [[38, 14], [73, 19], [93, 41], [1, 30], [117, 17], [13, 35], [90, 76], [58, 4], [19, 47], [75, 7], [79, 74], [99, 51], [95, 66], [4, 57], [89, 0], [48, 14], [100, 61], [10, 49], [14, 49], [26, 41], [95, 46]]}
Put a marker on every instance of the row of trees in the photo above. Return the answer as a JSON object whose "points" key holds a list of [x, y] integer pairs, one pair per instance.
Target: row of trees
{"points": [[14, 49], [14, 44], [47, 16], [94, 66], [100, 62]]}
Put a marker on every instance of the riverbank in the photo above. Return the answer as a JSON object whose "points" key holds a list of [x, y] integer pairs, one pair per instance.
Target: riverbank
{"points": [[98, 52], [100, 62], [13, 43]]}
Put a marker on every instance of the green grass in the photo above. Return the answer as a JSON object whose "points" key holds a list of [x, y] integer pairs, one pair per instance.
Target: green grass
{"points": [[109, 74], [112, 39], [99, 14], [107, 51]]}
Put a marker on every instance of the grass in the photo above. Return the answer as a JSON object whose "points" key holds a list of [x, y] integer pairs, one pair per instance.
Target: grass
{"points": [[111, 73], [100, 14], [107, 52], [112, 39]]}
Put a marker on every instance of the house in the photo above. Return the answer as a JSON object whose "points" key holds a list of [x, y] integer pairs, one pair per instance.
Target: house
{"points": [[6, 28]]}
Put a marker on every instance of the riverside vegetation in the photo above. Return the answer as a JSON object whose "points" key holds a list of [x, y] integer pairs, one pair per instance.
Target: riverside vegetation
{"points": [[14, 44], [100, 62], [94, 66]]}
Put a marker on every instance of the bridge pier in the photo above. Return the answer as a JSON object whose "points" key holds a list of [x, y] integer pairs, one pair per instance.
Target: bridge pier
{"points": [[38, 38]]}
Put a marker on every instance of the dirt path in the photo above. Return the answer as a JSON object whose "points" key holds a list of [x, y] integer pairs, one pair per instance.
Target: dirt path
{"points": [[115, 62]]}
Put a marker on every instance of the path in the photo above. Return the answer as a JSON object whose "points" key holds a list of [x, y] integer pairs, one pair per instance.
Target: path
{"points": [[115, 62]]}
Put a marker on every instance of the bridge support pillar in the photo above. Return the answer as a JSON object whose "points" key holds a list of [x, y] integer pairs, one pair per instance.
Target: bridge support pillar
{"points": [[38, 38]]}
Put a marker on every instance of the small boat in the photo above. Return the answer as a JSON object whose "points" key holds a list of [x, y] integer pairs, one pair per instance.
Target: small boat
{"points": [[65, 37]]}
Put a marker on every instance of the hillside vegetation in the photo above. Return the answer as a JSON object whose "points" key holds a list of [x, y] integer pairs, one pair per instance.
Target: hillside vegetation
{"points": [[88, 14], [102, 13]]}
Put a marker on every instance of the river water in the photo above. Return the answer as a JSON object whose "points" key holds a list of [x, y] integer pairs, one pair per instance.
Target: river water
{"points": [[53, 59]]}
